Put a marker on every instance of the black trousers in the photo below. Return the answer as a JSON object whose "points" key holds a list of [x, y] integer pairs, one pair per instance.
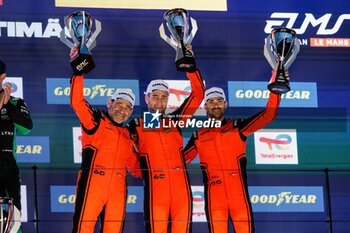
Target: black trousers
{"points": [[10, 183]]}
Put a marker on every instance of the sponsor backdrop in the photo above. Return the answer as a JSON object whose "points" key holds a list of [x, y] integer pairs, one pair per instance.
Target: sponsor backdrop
{"points": [[297, 167]]}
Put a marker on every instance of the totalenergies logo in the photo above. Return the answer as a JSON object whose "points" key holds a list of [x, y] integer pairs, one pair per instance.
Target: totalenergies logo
{"points": [[14, 87], [280, 142], [178, 93], [289, 19], [198, 199]]}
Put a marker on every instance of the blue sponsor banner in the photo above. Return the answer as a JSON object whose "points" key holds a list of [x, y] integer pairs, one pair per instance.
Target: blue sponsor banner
{"points": [[135, 199], [255, 94], [62, 198], [33, 149], [96, 91], [287, 198]]}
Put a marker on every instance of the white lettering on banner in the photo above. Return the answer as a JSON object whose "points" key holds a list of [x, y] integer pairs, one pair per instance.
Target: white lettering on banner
{"points": [[283, 198], [259, 94], [322, 22], [192, 123], [97, 90], [33, 29]]}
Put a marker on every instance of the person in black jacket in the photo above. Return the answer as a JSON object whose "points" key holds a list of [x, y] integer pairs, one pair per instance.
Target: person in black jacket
{"points": [[14, 119]]}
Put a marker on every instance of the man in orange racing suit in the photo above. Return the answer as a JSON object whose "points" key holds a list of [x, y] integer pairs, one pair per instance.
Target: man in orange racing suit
{"points": [[166, 185], [223, 162], [107, 151]]}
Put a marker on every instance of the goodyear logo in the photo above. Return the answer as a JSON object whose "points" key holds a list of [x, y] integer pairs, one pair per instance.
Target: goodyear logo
{"points": [[96, 91], [134, 199], [63, 198], [287, 198], [209, 5], [33, 149], [255, 94]]}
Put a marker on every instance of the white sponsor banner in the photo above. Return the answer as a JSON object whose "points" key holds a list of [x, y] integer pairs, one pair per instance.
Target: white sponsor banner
{"points": [[24, 214], [180, 90], [17, 86], [208, 5], [77, 147], [276, 146], [198, 213]]}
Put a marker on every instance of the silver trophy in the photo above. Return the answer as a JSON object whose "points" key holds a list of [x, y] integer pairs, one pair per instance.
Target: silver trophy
{"points": [[281, 49], [79, 25], [177, 21], [10, 216]]}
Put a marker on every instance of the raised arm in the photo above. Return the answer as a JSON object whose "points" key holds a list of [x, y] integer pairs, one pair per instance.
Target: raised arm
{"points": [[88, 116], [190, 152], [190, 105], [260, 120]]}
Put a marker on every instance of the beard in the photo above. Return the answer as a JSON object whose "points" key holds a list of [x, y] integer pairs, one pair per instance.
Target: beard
{"points": [[217, 115]]}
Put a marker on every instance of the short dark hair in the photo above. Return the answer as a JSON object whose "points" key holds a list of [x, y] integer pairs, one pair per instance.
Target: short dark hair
{"points": [[2, 67]]}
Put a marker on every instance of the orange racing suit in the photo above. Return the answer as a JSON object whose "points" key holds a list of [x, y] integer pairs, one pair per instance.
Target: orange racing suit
{"points": [[223, 163], [101, 185], [166, 185]]}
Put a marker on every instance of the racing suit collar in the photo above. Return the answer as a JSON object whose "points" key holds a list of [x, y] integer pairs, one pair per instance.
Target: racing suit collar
{"points": [[113, 122], [224, 121]]}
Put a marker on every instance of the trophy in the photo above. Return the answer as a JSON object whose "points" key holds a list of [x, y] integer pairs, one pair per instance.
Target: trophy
{"points": [[79, 25], [177, 21], [10, 216], [281, 49]]}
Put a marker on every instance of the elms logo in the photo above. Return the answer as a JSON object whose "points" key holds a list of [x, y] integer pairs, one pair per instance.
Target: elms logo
{"points": [[324, 23], [276, 146]]}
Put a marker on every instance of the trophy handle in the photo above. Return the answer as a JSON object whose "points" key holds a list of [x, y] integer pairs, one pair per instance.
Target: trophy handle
{"points": [[270, 57], [295, 51], [193, 31], [91, 43], [167, 39], [65, 40]]}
